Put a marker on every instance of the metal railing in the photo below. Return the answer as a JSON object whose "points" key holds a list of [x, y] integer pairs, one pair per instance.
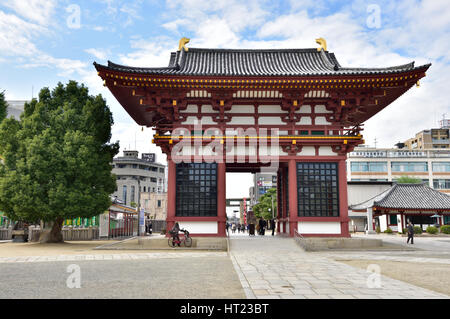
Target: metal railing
{"points": [[301, 241]]}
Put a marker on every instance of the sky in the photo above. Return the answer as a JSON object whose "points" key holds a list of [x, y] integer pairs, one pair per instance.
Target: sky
{"points": [[43, 42]]}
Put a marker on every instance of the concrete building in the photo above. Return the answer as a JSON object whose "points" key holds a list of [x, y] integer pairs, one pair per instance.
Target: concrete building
{"points": [[137, 175], [15, 108], [155, 205], [359, 192], [435, 138], [262, 183], [386, 165]]}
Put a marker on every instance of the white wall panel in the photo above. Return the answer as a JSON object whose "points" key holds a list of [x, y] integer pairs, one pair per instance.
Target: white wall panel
{"points": [[319, 228], [308, 151], [199, 227], [305, 120], [270, 120]]}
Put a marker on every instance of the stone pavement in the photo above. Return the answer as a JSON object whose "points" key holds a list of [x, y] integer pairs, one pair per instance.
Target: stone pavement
{"points": [[277, 268], [130, 256]]}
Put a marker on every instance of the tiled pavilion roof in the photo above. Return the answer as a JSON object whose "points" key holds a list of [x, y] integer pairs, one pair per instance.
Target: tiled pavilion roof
{"points": [[260, 62], [415, 197]]}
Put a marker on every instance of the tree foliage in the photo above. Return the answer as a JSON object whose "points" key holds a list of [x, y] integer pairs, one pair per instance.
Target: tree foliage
{"points": [[3, 107], [57, 158], [408, 180], [264, 206]]}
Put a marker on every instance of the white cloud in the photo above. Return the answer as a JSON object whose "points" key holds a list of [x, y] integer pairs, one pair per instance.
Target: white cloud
{"points": [[38, 11], [100, 54]]}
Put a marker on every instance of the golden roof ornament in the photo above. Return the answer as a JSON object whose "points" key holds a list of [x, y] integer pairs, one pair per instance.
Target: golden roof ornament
{"points": [[182, 43], [323, 44]]}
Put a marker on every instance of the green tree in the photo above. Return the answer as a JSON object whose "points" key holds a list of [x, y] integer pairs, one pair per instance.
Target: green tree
{"points": [[408, 180], [57, 158], [3, 107], [264, 206]]}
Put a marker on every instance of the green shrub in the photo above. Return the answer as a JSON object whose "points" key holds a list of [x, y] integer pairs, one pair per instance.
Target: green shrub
{"points": [[418, 230], [378, 230], [432, 230], [445, 229], [388, 231], [404, 231]]}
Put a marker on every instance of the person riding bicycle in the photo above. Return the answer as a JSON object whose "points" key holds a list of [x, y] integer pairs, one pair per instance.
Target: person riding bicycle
{"points": [[174, 232]]}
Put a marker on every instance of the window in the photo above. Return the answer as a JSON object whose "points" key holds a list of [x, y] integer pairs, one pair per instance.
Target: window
{"points": [[409, 166], [135, 166], [124, 194], [121, 165], [196, 185], [368, 166], [317, 185], [441, 167], [393, 220], [159, 203], [132, 194], [153, 179], [441, 183], [161, 170]]}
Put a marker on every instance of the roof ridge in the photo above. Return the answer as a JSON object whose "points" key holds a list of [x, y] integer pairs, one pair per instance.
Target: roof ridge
{"points": [[254, 50]]}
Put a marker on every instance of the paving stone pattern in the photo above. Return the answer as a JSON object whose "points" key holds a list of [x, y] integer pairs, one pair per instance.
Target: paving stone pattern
{"points": [[278, 268]]}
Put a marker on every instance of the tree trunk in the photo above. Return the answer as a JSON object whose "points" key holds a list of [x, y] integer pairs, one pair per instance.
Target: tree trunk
{"points": [[55, 235]]}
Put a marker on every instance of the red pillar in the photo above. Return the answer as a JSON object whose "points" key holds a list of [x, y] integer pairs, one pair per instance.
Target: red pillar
{"points": [[221, 198], [279, 198], [283, 192], [343, 200], [171, 194], [293, 207]]}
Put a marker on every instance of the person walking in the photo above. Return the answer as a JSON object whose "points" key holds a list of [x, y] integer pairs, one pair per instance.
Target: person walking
{"points": [[227, 226], [261, 225], [410, 233], [233, 228], [272, 226], [238, 228]]}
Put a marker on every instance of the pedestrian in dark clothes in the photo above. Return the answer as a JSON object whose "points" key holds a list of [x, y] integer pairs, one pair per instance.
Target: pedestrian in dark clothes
{"points": [[410, 233], [272, 226]]}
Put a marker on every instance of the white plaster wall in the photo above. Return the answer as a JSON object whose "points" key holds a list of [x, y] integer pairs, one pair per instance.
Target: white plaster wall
{"points": [[270, 120], [326, 151], [270, 109], [242, 120], [191, 108], [321, 120], [321, 109], [305, 120], [319, 228], [207, 120], [190, 120], [383, 223], [208, 109], [200, 227], [271, 150], [308, 151], [304, 109], [242, 109]]}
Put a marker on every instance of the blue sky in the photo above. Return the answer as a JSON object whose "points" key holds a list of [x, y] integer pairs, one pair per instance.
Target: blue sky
{"points": [[43, 42]]}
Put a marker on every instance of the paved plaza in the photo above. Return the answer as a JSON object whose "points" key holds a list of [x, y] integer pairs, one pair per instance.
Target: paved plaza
{"points": [[277, 268], [256, 267]]}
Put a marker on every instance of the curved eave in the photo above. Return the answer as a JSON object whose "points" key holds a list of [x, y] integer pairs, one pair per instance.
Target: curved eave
{"points": [[336, 72], [399, 82]]}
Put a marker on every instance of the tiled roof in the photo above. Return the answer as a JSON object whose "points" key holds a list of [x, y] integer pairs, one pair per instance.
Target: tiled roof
{"points": [[408, 197], [233, 62]]}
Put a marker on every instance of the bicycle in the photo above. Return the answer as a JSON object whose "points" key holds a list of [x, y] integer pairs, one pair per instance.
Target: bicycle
{"points": [[186, 240]]}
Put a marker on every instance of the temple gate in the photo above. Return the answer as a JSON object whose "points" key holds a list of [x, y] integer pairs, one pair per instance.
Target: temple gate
{"points": [[296, 112]]}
